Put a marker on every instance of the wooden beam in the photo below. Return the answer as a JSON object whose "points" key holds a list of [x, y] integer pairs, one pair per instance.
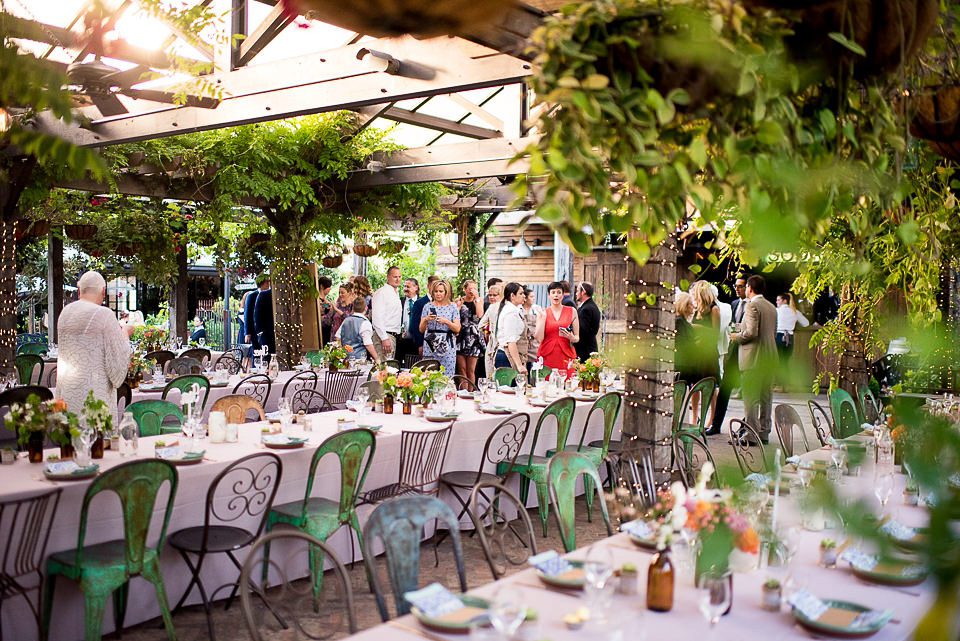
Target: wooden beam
{"points": [[270, 28], [397, 114], [325, 87], [16, 27]]}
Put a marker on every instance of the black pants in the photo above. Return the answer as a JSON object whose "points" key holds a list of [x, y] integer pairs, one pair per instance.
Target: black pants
{"points": [[730, 380]]}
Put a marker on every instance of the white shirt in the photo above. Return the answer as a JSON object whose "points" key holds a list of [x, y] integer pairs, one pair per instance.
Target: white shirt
{"points": [[788, 319], [726, 315], [366, 330], [510, 325], [387, 311]]}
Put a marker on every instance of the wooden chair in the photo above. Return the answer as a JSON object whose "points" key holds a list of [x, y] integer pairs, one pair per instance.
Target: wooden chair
{"points": [[236, 407], [161, 357], [502, 539], [202, 354], [228, 362], [563, 471], [50, 378]]}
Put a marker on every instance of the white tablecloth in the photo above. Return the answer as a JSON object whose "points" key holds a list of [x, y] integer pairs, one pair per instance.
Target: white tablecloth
{"points": [[469, 434]]}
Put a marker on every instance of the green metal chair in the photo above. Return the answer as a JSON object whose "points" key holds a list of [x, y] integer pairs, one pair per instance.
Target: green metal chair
{"points": [[563, 470], [315, 357], [870, 408], [846, 417], [105, 569], [320, 517], [505, 376], [609, 406], [149, 416], [25, 363], [679, 404], [398, 523], [39, 349], [534, 468], [543, 375], [185, 382], [706, 387]]}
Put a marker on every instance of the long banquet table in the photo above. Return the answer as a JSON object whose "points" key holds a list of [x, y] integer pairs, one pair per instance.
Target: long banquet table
{"points": [[22, 479], [629, 619]]}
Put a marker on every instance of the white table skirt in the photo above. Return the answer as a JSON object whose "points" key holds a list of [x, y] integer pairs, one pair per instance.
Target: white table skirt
{"points": [[21, 479]]}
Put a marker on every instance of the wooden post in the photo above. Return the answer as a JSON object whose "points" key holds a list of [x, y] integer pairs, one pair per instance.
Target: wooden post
{"points": [[178, 299], [54, 284]]}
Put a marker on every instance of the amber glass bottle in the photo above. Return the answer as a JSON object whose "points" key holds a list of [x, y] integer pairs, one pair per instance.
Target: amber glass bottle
{"points": [[660, 582]]}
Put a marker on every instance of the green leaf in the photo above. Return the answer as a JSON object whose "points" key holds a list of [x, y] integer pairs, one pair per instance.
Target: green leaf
{"points": [[639, 250], [770, 133], [632, 298], [908, 232], [696, 269], [651, 299], [596, 81], [846, 42], [698, 151]]}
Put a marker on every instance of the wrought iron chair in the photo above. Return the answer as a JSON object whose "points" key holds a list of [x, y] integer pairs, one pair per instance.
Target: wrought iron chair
{"points": [[150, 415], [183, 365], [24, 532], [338, 386], [505, 376], [398, 523], [870, 408], [187, 381], [50, 378], [563, 471], [202, 354], [237, 407], [635, 463], [40, 349], [743, 438], [787, 420], [320, 517], [690, 453], [20, 394], [427, 364], [821, 422], [25, 364], [503, 446], [299, 381], [534, 468], [421, 461], [106, 568], [291, 602], [228, 362], [374, 390], [409, 360], [503, 539], [846, 417], [161, 357], [462, 382], [256, 386], [309, 401], [243, 490]]}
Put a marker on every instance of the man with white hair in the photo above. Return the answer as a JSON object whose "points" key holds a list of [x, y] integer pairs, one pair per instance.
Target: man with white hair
{"points": [[94, 350]]}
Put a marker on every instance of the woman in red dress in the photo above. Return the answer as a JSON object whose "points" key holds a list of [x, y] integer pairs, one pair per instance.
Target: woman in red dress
{"points": [[558, 327]]}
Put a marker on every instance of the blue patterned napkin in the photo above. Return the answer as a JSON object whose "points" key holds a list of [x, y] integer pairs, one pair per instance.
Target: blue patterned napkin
{"points": [[434, 600], [898, 530], [62, 467], [639, 528], [550, 563], [858, 558], [168, 452], [808, 605]]}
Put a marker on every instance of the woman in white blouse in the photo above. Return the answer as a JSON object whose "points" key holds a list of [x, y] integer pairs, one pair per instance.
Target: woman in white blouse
{"points": [[787, 320], [510, 327]]}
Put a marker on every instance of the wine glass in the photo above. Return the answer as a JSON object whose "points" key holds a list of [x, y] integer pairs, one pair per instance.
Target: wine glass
{"points": [[521, 381], [363, 396], [791, 542], [838, 454], [598, 567], [882, 487], [507, 611], [714, 592], [805, 472]]}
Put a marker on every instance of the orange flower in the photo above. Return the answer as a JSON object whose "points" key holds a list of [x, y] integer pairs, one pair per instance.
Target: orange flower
{"points": [[59, 405], [404, 379], [748, 541], [598, 362], [348, 348], [382, 375]]}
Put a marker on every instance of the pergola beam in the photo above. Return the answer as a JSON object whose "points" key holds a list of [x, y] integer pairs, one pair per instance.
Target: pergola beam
{"points": [[445, 125], [263, 35], [324, 82]]}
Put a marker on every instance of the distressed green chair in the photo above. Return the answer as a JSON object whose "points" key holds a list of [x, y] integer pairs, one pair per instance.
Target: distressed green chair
{"points": [[320, 517], [597, 451], [25, 364], [563, 470], [705, 387], [543, 375], [187, 381], [105, 569], [398, 523], [534, 468], [40, 349], [505, 376], [150, 414], [846, 417]]}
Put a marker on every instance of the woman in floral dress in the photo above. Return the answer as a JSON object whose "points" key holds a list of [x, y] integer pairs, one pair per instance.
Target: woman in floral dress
{"points": [[470, 342], [440, 324]]}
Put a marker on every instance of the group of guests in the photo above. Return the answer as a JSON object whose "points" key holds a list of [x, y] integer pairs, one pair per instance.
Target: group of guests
{"points": [[468, 334], [738, 344], [257, 325]]}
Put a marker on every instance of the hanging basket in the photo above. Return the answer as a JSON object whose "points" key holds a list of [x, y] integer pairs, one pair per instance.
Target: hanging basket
{"points": [[127, 249], [31, 229], [80, 232], [332, 262], [258, 238], [392, 246], [364, 250], [423, 18]]}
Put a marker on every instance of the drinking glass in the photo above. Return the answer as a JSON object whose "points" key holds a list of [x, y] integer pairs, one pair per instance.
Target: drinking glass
{"points": [[189, 433], [201, 341], [179, 342], [521, 382], [839, 456], [286, 414], [82, 447], [714, 592], [507, 611], [806, 473], [363, 397], [791, 542], [882, 487], [598, 567]]}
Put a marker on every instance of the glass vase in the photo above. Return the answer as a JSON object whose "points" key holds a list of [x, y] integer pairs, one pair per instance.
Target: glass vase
{"points": [[407, 408], [660, 578], [388, 404], [35, 446]]}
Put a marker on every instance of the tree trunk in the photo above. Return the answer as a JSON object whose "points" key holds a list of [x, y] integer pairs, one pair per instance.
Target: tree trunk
{"points": [[178, 299], [54, 284], [853, 370], [648, 410], [287, 297]]}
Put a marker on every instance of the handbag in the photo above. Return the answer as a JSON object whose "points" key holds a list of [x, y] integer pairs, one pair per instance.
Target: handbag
{"points": [[437, 341]]}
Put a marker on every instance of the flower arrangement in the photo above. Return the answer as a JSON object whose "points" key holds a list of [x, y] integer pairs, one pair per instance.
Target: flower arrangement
{"points": [[138, 364], [336, 355], [150, 336], [96, 414], [415, 386], [590, 369], [36, 416]]}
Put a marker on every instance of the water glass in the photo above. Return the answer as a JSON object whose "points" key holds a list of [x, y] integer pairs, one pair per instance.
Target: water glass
{"points": [[507, 610], [883, 486], [363, 398], [714, 593]]}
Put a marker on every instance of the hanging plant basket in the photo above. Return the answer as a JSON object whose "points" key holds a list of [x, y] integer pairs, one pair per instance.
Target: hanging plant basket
{"points": [[936, 115], [364, 250], [80, 232], [332, 262], [207, 240], [127, 249], [392, 246], [31, 229], [423, 18]]}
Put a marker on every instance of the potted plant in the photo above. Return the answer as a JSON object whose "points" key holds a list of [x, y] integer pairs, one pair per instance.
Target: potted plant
{"points": [[828, 553], [97, 416], [771, 595]]}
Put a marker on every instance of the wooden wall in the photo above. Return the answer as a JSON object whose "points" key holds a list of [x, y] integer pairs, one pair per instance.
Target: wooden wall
{"points": [[538, 269]]}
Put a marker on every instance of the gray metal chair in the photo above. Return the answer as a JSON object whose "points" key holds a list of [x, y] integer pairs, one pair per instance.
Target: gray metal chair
{"points": [[183, 365], [786, 420], [503, 539], [421, 462], [690, 453], [821, 422], [748, 448]]}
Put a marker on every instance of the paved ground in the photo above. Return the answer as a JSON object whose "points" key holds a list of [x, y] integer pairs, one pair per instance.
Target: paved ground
{"points": [[191, 623]]}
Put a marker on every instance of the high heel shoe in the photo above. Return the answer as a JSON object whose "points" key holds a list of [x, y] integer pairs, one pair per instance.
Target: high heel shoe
{"points": [[712, 432]]}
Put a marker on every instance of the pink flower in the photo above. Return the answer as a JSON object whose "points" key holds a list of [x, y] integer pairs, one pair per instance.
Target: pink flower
{"points": [[404, 379], [382, 375]]}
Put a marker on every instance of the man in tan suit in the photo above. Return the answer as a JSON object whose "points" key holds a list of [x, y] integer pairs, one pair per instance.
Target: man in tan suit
{"points": [[758, 356]]}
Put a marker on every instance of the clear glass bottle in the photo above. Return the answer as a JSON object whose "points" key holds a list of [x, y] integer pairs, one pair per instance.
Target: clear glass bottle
{"points": [[660, 582], [129, 436]]}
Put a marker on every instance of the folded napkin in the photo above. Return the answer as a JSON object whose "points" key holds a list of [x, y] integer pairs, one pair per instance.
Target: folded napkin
{"points": [[898, 531], [62, 467], [639, 528], [816, 610], [434, 600], [172, 451], [550, 563]]}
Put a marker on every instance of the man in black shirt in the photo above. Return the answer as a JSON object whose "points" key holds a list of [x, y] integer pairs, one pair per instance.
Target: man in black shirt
{"points": [[589, 315]]}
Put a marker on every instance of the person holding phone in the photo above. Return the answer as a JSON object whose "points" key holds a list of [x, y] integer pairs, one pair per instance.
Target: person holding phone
{"points": [[440, 324], [558, 329]]}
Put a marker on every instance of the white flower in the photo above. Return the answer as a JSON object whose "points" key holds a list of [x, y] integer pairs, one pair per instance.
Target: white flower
{"points": [[705, 473]]}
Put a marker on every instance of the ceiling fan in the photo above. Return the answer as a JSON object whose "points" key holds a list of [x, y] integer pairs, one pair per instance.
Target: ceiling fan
{"points": [[101, 83]]}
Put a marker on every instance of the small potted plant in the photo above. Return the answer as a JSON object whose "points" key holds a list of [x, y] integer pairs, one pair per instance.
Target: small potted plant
{"points": [[7, 456], [771, 595], [911, 493], [628, 579], [828, 553]]}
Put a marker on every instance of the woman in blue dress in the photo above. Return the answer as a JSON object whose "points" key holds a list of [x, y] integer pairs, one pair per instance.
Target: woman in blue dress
{"points": [[440, 324]]}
